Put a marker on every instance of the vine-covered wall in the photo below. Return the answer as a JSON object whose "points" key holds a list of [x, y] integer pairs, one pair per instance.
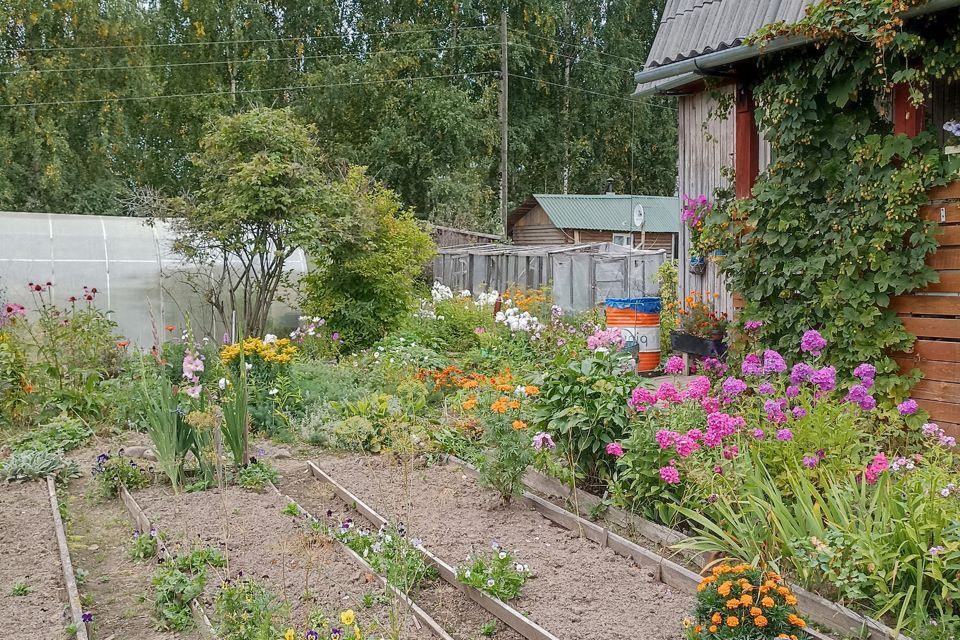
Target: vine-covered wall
{"points": [[832, 231]]}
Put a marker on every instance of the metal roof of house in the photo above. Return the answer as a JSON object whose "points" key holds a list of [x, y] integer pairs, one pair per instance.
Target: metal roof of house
{"points": [[691, 28], [607, 212]]}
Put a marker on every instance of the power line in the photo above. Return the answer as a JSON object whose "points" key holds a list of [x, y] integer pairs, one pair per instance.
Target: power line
{"points": [[597, 93], [238, 61], [557, 53], [261, 90], [219, 42], [578, 46]]}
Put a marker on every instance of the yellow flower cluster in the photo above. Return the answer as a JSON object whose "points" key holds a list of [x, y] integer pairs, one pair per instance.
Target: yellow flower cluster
{"points": [[280, 351]]}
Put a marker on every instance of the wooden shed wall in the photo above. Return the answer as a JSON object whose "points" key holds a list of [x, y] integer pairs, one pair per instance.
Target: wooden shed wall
{"points": [[707, 144], [652, 240], [536, 228]]}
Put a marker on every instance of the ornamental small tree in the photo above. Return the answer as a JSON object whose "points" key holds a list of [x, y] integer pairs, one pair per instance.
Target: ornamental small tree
{"points": [[263, 194]]}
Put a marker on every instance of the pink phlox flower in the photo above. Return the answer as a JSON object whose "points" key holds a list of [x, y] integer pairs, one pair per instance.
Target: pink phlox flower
{"points": [[685, 445], [792, 391], [773, 362], [752, 325], [784, 435], [876, 467], [752, 365], [710, 404], [729, 453], [733, 386], [674, 365], [801, 372], [668, 393], [810, 461], [908, 407], [812, 342], [666, 438], [670, 475], [758, 433], [825, 378], [766, 388], [614, 449], [697, 388], [641, 397], [866, 373], [798, 412]]}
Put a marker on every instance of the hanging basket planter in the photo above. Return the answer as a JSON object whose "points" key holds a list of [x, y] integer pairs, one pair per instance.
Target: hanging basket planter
{"points": [[698, 265]]}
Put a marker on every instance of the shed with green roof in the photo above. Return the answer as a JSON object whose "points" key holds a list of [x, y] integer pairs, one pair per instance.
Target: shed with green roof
{"points": [[642, 222]]}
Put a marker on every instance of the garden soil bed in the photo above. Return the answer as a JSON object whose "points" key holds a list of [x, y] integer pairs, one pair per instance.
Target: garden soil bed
{"points": [[451, 608], [249, 529], [29, 554], [577, 590]]}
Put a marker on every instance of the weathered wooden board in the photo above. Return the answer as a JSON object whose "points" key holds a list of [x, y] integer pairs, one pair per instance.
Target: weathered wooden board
{"points": [[949, 282], [936, 390], [938, 410], [924, 350], [945, 258], [66, 564], [942, 371], [928, 305], [946, 192], [933, 327], [941, 213]]}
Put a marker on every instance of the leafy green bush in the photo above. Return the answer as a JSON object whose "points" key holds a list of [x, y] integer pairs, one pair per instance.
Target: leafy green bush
{"points": [[389, 552], [247, 610], [320, 382], [144, 545], [177, 583], [582, 402], [62, 433], [256, 475], [30, 465], [113, 472], [363, 285], [496, 573]]}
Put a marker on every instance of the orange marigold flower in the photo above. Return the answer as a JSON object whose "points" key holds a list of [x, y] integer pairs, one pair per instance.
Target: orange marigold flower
{"points": [[760, 621], [756, 611], [724, 589], [531, 390], [519, 424], [732, 621], [767, 601], [470, 403], [783, 591], [697, 629], [733, 603], [470, 384], [791, 600], [746, 599], [170, 327], [514, 404], [716, 618], [500, 406], [504, 387], [796, 620], [712, 628]]}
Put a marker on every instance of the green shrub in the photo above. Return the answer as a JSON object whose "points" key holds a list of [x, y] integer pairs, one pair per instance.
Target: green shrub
{"points": [[177, 583], [62, 433], [247, 610], [320, 382], [113, 472], [256, 475], [582, 403], [363, 285]]}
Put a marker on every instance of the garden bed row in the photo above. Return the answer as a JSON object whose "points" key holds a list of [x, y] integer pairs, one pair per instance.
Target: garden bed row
{"points": [[577, 589], [40, 598], [662, 539]]}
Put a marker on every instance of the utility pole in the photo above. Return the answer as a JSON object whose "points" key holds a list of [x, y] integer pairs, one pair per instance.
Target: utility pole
{"points": [[504, 112]]}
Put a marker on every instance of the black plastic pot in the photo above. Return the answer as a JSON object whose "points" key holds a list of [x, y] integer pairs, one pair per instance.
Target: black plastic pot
{"points": [[687, 343]]}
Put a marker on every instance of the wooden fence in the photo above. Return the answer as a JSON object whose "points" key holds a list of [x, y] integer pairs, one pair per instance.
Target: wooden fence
{"points": [[933, 315]]}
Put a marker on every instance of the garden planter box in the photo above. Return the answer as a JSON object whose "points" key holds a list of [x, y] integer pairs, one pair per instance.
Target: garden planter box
{"points": [[686, 343]]}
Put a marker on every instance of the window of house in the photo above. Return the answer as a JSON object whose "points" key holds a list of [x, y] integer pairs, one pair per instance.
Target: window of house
{"points": [[623, 239]]}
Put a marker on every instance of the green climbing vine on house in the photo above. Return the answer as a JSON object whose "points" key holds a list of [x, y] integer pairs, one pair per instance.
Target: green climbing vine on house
{"points": [[832, 231]]}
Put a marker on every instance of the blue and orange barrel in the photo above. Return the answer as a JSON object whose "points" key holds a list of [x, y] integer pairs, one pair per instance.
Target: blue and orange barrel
{"points": [[639, 322]]}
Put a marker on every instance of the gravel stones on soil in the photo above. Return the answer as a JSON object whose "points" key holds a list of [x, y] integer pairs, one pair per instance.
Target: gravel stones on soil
{"points": [[29, 554], [453, 610], [257, 539], [577, 589]]}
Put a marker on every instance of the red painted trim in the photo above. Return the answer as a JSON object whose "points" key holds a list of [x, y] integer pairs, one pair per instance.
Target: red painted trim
{"points": [[747, 151], [908, 118]]}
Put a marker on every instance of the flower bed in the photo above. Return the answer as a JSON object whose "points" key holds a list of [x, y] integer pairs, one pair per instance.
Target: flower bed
{"points": [[572, 581]]}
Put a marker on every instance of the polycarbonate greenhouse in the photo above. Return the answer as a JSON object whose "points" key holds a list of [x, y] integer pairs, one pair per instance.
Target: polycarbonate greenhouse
{"points": [[139, 279]]}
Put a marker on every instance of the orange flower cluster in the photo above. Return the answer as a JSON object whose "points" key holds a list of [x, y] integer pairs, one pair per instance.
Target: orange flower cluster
{"points": [[525, 300], [503, 403], [743, 595]]}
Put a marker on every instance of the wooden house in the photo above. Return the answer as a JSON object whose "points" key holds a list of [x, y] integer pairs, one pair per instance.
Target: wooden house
{"points": [[699, 55], [641, 222]]}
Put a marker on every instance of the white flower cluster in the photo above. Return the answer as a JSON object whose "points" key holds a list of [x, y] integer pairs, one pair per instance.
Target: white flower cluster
{"points": [[441, 292], [487, 299], [518, 320]]}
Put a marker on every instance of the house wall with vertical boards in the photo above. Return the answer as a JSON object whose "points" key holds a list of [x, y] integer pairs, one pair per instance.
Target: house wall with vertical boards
{"points": [[707, 144]]}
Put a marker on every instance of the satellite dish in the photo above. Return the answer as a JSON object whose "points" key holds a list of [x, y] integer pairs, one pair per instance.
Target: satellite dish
{"points": [[638, 216]]}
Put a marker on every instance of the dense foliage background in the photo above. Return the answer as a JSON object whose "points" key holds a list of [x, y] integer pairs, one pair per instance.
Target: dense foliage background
{"points": [[102, 101]]}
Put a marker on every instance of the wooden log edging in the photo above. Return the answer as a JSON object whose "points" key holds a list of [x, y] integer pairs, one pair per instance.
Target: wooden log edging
{"points": [[498, 608], [420, 616], [144, 525], [836, 616], [66, 564]]}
